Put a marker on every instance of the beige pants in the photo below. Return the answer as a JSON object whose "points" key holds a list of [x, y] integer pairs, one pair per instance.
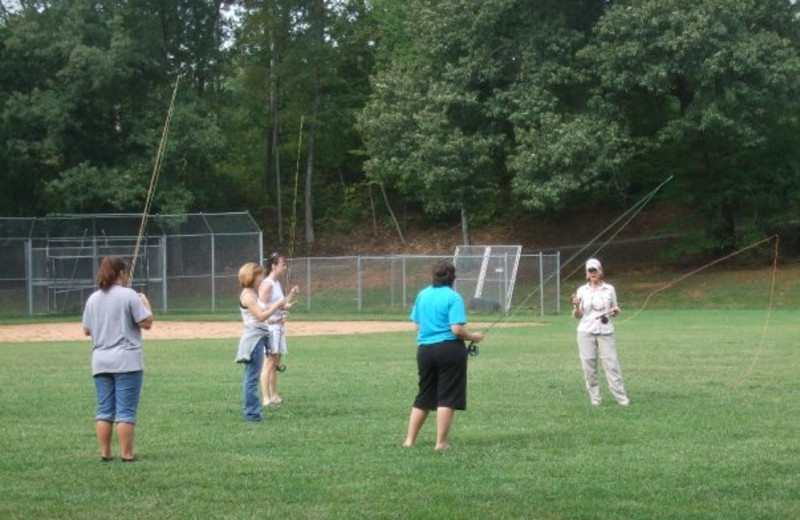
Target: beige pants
{"points": [[592, 346]]}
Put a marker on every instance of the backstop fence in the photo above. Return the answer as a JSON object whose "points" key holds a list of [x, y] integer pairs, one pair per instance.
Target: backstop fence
{"points": [[185, 262]]}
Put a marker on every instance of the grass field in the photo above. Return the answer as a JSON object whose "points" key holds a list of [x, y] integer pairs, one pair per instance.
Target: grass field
{"points": [[712, 431]]}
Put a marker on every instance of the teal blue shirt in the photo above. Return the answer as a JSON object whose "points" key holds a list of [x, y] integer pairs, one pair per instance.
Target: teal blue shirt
{"points": [[434, 311]]}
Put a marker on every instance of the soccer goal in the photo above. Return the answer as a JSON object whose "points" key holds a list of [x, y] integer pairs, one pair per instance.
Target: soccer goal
{"points": [[485, 275]]}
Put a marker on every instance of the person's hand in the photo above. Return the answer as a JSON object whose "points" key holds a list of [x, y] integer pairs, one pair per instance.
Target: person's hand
{"points": [[477, 337], [287, 305], [292, 292], [614, 310]]}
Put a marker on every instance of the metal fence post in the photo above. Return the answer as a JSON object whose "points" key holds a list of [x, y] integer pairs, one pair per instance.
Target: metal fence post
{"points": [[164, 272], [504, 289], [405, 284], [213, 275], [308, 284], [541, 284], [391, 282], [558, 282], [29, 274], [358, 281]]}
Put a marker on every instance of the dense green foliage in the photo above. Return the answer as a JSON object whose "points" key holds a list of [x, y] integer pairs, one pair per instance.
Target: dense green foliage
{"points": [[711, 432], [322, 113]]}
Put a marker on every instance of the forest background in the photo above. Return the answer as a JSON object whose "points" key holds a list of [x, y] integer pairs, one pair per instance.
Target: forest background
{"points": [[390, 119]]}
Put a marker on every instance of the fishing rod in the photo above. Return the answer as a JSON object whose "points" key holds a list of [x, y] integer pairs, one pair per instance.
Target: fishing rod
{"points": [[282, 366], [162, 145], [625, 218]]}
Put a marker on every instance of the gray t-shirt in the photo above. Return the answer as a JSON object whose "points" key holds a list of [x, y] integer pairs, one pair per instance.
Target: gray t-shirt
{"points": [[112, 319]]}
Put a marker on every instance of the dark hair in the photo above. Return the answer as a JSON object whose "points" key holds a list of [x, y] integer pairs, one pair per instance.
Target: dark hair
{"points": [[274, 259], [111, 268], [444, 273]]}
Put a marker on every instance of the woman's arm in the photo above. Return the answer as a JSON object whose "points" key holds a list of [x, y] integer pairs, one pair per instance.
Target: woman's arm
{"points": [[463, 334], [577, 310], [250, 301], [614, 310], [146, 323]]}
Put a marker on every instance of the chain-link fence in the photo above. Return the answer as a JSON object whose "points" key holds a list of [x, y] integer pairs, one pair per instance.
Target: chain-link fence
{"points": [[389, 284], [190, 263], [184, 262]]}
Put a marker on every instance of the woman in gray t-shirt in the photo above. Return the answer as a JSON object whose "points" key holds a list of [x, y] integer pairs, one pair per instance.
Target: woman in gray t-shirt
{"points": [[114, 317]]}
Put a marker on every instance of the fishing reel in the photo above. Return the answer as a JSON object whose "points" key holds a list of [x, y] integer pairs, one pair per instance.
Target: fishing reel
{"points": [[472, 349], [281, 368]]}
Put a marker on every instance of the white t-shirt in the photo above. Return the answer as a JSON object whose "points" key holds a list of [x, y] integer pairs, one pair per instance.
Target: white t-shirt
{"points": [[112, 319], [275, 294]]}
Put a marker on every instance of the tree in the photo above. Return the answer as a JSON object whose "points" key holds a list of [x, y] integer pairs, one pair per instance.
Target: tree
{"points": [[707, 91], [84, 111], [309, 61], [431, 128]]}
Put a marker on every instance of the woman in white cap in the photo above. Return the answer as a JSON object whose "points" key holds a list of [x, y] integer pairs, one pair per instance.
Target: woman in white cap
{"points": [[595, 304]]}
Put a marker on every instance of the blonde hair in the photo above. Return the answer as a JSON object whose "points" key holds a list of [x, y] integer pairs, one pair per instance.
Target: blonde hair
{"points": [[248, 274]]}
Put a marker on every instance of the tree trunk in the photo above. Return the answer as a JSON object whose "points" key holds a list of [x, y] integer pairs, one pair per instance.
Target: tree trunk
{"points": [[273, 155], [374, 213], [308, 192], [391, 213], [162, 12], [464, 226], [317, 23], [725, 231], [276, 140]]}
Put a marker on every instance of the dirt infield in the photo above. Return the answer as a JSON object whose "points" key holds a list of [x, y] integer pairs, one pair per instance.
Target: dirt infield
{"points": [[199, 329], [211, 329]]}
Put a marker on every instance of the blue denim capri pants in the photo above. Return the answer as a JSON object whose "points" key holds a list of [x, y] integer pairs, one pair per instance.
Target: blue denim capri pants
{"points": [[118, 396]]}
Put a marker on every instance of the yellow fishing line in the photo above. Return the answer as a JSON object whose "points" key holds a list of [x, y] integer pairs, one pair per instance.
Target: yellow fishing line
{"points": [[770, 305]]}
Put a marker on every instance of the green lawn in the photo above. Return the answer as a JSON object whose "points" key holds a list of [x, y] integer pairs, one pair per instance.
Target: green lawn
{"points": [[712, 431]]}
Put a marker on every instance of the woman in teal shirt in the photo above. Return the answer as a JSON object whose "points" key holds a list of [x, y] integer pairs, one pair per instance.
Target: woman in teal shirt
{"points": [[440, 320]]}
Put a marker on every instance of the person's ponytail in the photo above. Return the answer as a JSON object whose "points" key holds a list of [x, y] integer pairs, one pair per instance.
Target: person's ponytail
{"points": [[111, 269]]}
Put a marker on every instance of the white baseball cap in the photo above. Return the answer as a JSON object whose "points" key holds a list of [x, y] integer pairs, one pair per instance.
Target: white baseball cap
{"points": [[593, 263]]}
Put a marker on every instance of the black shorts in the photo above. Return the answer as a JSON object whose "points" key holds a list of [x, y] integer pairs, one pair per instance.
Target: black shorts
{"points": [[442, 371]]}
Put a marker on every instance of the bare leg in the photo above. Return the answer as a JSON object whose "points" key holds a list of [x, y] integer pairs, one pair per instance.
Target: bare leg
{"points": [[125, 437], [104, 433], [415, 422], [264, 379], [444, 418], [272, 378]]}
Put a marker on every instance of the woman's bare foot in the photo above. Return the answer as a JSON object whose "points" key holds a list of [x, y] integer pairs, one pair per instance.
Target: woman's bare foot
{"points": [[442, 447], [407, 444]]}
